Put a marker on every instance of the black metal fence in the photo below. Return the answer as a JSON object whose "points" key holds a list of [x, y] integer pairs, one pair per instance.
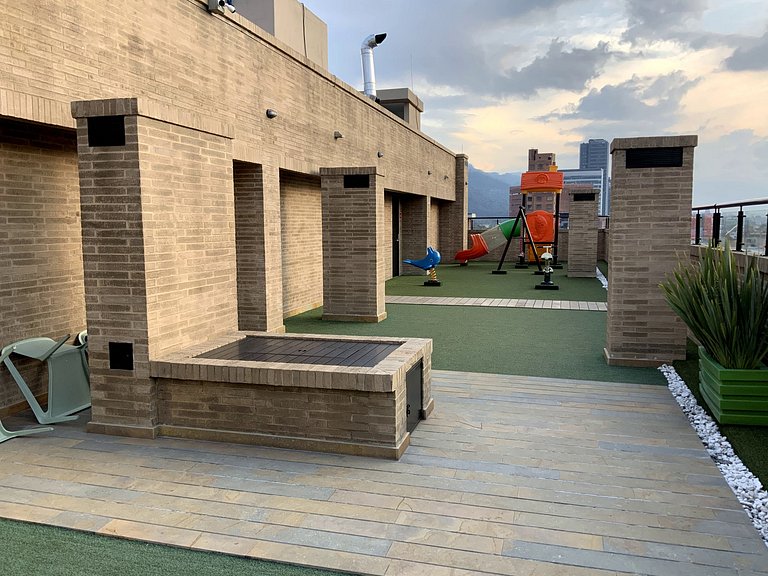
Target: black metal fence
{"points": [[746, 230], [480, 223]]}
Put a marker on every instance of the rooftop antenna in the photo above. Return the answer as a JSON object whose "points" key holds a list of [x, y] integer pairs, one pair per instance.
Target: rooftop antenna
{"points": [[366, 53]]}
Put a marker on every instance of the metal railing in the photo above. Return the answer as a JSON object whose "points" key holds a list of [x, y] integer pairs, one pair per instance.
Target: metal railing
{"points": [[480, 223], [717, 223]]}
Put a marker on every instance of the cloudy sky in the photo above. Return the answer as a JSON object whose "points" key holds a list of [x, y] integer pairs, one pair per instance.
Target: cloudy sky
{"points": [[500, 76]]}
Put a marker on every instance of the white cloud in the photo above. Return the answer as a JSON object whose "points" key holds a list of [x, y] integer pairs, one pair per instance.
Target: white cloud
{"points": [[500, 76]]}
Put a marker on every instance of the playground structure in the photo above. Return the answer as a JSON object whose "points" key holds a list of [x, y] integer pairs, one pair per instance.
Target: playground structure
{"points": [[535, 230], [428, 263]]}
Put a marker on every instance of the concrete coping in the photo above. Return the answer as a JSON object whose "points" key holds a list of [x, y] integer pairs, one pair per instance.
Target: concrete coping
{"points": [[151, 109], [686, 141], [384, 377]]}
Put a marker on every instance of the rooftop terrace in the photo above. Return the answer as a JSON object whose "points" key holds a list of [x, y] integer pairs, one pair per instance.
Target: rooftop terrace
{"points": [[513, 473]]}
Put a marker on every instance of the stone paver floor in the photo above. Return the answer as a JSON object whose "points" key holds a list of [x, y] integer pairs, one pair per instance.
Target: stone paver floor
{"points": [[511, 475], [499, 302]]}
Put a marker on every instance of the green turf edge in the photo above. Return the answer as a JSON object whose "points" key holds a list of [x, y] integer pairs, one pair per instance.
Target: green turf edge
{"points": [[43, 550], [749, 442], [566, 344], [477, 281]]}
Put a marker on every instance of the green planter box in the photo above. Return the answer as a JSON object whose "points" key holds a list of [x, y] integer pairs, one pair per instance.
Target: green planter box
{"points": [[734, 396]]}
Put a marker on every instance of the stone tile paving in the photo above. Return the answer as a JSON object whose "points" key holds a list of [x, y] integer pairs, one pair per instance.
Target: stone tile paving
{"points": [[499, 303], [511, 475]]}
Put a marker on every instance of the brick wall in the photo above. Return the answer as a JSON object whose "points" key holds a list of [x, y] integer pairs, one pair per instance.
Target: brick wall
{"points": [[41, 265], [302, 242], [258, 223], [453, 215], [159, 252], [344, 415], [650, 227], [115, 279], [582, 236], [433, 223], [415, 228], [188, 219], [602, 244], [353, 280], [386, 236], [180, 55]]}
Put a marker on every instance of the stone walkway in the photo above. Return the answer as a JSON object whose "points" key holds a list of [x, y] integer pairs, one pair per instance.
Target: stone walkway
{"points": [[499, 302], [511, 475]]}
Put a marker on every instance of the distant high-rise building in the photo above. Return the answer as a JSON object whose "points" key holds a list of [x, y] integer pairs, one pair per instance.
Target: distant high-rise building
{"points": [[593, 155]]}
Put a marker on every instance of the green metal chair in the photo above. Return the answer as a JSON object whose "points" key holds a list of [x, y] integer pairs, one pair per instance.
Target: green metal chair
{"points": [[6, 434], [68, 377]]}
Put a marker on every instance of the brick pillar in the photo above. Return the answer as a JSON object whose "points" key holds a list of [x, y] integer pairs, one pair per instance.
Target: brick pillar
{"points": [[453, 216], [582, 235], [414, 231], [259, 247], [650, 228], [158, 249], [353, 250]]}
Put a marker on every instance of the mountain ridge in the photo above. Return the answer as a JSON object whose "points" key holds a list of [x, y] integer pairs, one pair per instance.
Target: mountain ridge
{"points": [[489, 191]]}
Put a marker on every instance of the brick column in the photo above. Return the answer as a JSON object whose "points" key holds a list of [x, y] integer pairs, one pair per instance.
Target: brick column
{"points": [[158, 248], [353, 250], [650, 228], [582, 235], [453, 216], [414, 231], [259, 246]]}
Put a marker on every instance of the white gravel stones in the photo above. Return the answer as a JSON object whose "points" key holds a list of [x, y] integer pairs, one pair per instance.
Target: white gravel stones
{"points": [[747, 487]]}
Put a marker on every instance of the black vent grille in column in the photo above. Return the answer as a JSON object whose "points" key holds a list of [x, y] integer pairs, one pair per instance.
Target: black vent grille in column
{"points": [[106, 131], [357, 181], [120, 356], [654, 157], [583, 197]]}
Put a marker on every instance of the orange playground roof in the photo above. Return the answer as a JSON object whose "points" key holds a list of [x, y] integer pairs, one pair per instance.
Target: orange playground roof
{"points": [[541, 181]]}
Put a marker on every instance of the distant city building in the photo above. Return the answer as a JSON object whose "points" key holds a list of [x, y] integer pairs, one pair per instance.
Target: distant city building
{"points": [[540, 162], [593, 155], [515, 200], [594, 178]]}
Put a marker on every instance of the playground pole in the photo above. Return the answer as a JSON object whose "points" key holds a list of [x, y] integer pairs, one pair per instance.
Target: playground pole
{"points": [[557, 232]]}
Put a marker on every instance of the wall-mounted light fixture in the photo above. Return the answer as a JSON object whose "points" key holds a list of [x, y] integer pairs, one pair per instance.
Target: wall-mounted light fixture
{"points": [[271, 113], [220, 5], [337, 135], [445, 177], [380, 154], [429, 172]]}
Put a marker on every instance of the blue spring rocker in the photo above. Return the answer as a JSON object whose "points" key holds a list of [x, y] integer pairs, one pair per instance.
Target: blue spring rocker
{"points": [[428, 263]]}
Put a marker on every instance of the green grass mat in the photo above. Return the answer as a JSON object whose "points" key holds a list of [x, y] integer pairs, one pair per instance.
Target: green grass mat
{"points": [[522, 341], [39, 550], [476, 281], [749, 442]]}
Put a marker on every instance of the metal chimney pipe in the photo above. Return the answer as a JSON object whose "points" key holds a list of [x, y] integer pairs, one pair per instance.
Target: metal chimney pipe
{"points": [[366, 53]]}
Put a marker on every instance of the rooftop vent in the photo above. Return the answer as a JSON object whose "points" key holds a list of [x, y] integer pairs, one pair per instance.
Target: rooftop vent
{"points": [[366, 52]]}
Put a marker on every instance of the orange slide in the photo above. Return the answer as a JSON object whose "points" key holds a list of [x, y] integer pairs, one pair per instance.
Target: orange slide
{"points": [[479, 248]]}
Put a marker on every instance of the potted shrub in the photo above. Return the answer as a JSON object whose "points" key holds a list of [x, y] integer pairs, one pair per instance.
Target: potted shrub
{"points": [[726, 310]]}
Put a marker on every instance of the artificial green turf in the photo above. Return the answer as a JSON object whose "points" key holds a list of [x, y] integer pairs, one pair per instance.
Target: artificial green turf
{"points": [[39, 550], [749, 442], [476, 281], [521, 341]]}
